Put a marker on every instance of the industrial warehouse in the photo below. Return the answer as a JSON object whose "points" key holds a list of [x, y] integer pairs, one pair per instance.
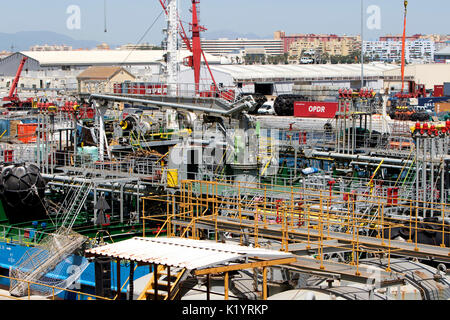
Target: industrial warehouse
{"points": [[179, 173]]}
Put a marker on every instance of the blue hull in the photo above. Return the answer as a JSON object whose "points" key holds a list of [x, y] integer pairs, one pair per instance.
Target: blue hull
{"points": [[10, 253]]}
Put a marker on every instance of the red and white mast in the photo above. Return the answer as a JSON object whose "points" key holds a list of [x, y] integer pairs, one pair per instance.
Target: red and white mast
{"points": [[195, 46]]}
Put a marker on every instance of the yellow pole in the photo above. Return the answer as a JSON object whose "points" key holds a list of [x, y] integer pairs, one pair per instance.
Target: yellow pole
{"points": [[417, 231], [375, 172], [388, 269], [265, 168], [143, 218], [308, 246], [410, 222], [321, 232], [226, 285], [443, 224], [264, 288]]}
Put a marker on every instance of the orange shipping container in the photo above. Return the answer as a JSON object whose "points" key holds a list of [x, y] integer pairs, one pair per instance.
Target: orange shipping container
{"points": [[27, 132], [442, 107]]}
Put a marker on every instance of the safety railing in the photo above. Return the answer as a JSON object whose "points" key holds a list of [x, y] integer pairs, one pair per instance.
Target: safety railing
{"points": [[54, 289], [21, 236], [227, 93], [306, 216]]}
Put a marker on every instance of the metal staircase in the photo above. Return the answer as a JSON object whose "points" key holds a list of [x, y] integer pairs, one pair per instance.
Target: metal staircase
{"points": [[73, 203], [166, 287]]}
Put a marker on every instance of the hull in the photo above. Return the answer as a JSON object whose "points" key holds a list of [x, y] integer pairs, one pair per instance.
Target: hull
{"points": [[11, 253]]}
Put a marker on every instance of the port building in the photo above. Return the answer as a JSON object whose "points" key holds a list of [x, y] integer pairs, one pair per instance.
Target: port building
{"points": [[427, 74], [224, 46], [279, 79], [59, 69], [443, 55], [81, 60], [102, 79]]}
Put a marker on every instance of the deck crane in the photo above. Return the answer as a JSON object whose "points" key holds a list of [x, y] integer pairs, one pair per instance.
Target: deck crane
{"points": [[415, 90], [405, 3], [12, 99], [193, 61], [401, 110]]}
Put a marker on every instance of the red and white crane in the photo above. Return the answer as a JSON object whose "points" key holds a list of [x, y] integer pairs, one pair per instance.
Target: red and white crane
{"points": [[195, 46], [12, 99], [415, 90]]}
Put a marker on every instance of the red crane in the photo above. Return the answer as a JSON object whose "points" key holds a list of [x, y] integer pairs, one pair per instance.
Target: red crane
{"points": [[12, 97], [415, 90], [193, 61], [405, 3]]}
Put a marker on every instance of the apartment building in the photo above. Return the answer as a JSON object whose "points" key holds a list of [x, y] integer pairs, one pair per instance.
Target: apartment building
{"points": [[331, 43], [224, 46], [391, 51], [340, 46]]}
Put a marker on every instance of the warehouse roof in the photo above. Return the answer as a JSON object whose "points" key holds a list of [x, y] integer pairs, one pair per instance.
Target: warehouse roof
{"points": [[304, 72], [445, 51], [105, 57], [101, 72], [180, 252]]}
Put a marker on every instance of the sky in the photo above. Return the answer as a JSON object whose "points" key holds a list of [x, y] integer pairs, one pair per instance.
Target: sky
{"points": [[127, 20]]}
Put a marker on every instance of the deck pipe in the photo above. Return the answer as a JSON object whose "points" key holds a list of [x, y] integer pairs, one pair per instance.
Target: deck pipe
{"points": [[359, 157], [225, 113]]}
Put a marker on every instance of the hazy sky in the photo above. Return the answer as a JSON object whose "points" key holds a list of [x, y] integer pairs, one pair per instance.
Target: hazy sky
{"points": [[129, 19]]}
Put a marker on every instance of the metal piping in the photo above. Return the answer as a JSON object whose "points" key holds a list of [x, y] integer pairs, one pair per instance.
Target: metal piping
{"points": [[358, 157], [375, 164], [170, 105], [81, 180], [105, 189]]}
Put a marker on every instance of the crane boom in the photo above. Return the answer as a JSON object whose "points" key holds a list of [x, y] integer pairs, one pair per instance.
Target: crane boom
{"points": [[194, 61], [12, 92]]}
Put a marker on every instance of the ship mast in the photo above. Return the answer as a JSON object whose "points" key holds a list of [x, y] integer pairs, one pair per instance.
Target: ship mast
{"points": [[196, 46], [194, 61], [172, 47]]}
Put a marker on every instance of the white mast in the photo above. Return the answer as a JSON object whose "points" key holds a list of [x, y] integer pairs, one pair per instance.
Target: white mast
{"points": [[172, 48]]}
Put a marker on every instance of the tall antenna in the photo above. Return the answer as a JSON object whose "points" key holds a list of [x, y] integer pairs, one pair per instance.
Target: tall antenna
{"points": [[362, 44], [104, 6], [405, 3], [172, 46], [195, 46]]}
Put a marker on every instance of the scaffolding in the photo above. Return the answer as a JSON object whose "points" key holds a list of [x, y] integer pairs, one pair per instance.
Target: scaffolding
{"points": [[299, 218], [353, 109]]}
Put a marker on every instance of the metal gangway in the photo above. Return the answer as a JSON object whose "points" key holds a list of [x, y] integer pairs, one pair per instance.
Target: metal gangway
{"points": [[37, 262]]}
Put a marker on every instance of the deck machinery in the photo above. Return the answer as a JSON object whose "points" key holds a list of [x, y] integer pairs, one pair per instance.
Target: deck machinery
{"points": [[215, 174], [360, 203]]}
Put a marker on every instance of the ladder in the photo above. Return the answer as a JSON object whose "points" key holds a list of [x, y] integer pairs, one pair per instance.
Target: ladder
{"points": [[161, 288], [74, 202]]}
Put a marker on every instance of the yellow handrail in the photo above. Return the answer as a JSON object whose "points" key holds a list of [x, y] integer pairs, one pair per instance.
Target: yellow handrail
{"points": [[53, 289]]}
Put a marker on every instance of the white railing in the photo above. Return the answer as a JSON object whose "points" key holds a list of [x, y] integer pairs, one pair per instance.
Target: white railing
{"points": [[228, 93]]}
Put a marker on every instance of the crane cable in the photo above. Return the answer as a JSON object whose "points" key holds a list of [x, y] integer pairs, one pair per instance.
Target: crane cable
{"points": [[405, 3], [104, 6]]}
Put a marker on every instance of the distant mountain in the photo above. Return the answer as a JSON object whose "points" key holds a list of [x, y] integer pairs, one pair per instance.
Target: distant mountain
{"points": [[211, 35], [22, 41]]}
